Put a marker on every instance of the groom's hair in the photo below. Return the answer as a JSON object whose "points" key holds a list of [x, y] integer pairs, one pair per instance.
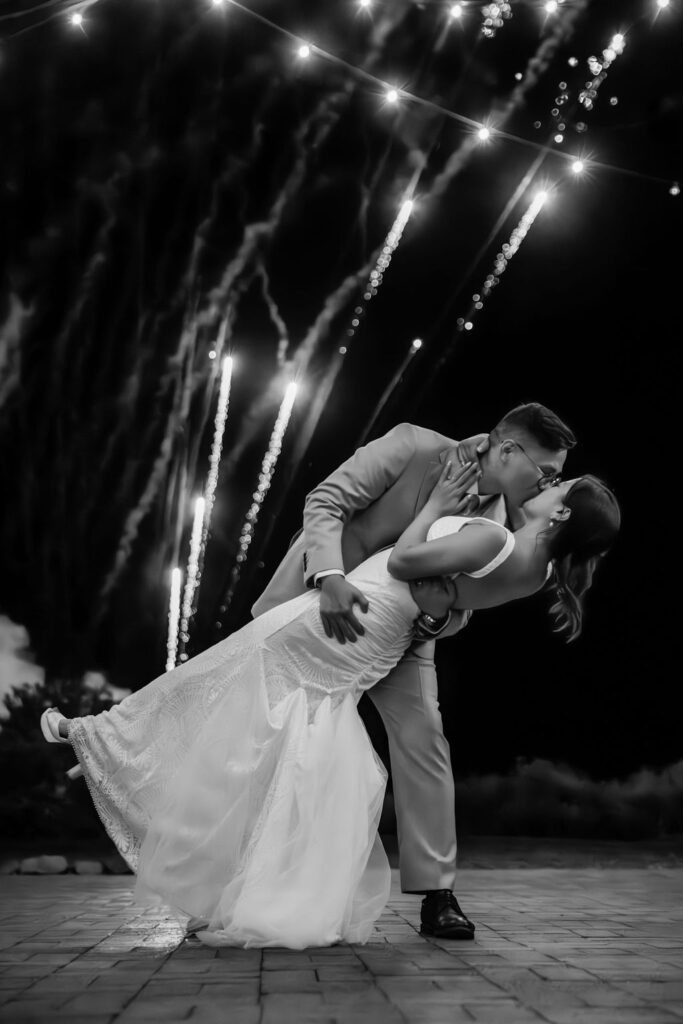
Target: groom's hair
{"points": [[537, 422]]}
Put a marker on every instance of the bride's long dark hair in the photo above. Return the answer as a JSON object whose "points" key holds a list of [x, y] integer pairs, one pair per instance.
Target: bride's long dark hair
{"points": [[576, 546]]}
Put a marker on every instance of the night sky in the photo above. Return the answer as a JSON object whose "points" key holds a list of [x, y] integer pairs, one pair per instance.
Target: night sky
{"points": [[176, 182]]}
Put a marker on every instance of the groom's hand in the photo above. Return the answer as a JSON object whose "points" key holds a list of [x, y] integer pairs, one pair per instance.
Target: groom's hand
{"points": [[472, 447], [337, 600]]}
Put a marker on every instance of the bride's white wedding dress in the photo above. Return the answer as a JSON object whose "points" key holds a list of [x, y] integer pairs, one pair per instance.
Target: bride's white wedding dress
{"points": [[242, 787]]}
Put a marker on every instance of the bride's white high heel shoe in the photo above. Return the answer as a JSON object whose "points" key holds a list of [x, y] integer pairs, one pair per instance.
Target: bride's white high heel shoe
{"points": [[49, 725]]}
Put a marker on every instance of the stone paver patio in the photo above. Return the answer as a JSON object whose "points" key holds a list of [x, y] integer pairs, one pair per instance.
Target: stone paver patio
{"points": [[588, 946]]}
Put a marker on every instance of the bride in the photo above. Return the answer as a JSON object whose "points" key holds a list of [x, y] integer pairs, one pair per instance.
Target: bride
{"points": [[242, 788]]}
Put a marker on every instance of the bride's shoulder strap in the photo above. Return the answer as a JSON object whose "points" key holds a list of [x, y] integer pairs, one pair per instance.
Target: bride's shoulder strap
{"points": [[502, 555]]}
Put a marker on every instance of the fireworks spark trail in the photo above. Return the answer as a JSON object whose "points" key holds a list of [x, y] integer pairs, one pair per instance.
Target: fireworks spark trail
{"points": [[191, 577], [217, 444], [537, 66], [265, 478], [173, 619], [11, 333], [508, 250]]}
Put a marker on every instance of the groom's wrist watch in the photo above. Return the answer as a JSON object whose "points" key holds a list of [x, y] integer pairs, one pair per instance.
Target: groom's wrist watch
{"points": [[426, 626]]}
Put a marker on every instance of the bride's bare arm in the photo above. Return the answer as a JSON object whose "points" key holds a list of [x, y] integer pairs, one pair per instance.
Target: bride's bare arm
{"points": [[470, 549], [414, 557]]}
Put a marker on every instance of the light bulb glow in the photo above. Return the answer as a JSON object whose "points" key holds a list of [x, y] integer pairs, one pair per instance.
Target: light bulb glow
{"points": [[455, 11], [76, 19], [304, 51], [416, 345], [483, 134], [551, 6], [578, 166], [391, 96], [662, 4], [173, 619]]}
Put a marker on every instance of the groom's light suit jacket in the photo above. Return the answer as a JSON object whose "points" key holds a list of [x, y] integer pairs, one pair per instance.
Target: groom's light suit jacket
{"points": [[364, 506]]}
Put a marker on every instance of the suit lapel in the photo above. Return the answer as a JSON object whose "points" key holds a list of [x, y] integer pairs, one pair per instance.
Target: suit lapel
{"points": [[430, 477]]}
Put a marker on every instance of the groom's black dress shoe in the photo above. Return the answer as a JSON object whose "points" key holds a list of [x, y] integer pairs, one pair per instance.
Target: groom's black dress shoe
{"points": [[442, 917]]}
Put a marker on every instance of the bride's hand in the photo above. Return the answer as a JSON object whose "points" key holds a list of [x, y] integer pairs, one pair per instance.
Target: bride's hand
{"points": [[450, 495]]}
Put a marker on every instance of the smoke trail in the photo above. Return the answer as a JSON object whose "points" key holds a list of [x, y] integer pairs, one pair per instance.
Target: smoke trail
{"points": [[11, 332], [275, 316], [175, 423]]}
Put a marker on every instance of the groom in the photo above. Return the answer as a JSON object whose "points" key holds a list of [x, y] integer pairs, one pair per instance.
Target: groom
{"points": [[364, 506]]}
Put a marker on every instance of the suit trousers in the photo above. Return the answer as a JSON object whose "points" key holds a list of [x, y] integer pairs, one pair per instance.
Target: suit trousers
{"points": [[424, 792]]}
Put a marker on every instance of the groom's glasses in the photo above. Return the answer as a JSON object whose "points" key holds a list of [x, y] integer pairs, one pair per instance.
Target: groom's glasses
{"points": [[546, 478]]}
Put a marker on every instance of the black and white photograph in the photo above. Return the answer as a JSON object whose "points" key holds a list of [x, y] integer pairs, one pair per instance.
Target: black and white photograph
{"points": [[339, 430]]}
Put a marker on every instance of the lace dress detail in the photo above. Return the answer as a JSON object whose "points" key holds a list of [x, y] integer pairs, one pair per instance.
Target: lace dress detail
{"points": [[208, 778]]}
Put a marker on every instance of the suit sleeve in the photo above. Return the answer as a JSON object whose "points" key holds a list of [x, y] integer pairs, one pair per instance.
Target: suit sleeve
{"points": [[358, 482]]}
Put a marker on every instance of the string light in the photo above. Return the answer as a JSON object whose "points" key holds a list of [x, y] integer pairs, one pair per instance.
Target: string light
{"points": [[265, 478], [484, 134], [76, 19], [578, 166], [304, 51], [508, 250], [662, 4], [551, 6], [455, 11], [173, 619], [496, 13]]}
